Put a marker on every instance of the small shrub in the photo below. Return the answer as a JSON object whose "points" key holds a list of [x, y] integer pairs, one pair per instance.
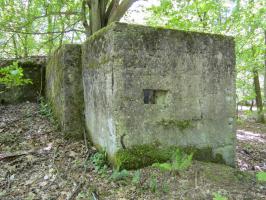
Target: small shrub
{"points": [[12, 76], [240, 121], [218, 196], [153, 184], [99, 161], [120, 175], [45, 108], [261, 176], [165, 187], [136, 177]]}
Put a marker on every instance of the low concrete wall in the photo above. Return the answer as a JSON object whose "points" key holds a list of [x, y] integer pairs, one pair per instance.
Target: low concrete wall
{"points": [[64, 90], [150, 89], [34, 69]]}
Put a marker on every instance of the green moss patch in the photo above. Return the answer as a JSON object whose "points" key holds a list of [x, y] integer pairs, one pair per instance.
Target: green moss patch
{"points": [[142, 155], [139, 156], [181, 124]]}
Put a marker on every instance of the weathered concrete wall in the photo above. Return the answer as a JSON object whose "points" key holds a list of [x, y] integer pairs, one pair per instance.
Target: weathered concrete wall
{"points": [[148, 89], [64, 90], [34, 69]]}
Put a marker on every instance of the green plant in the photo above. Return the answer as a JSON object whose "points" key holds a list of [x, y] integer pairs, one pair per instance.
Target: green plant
{"points": [[248, 113], [180, 161], [99, 161], [12, 76], [153, 184], [261, 176], [136, 177], [120, 175], [45, 108], [240, 121], [165, 187], [218, 196]]}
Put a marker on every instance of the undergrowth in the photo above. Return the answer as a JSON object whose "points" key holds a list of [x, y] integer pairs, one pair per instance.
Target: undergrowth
{"points": [[99, 161], [218, 196], [261, 176], [179, 162]]}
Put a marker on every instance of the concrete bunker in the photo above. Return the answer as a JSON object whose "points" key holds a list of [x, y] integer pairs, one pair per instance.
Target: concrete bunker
{"points": [[149, 90], [33, 69], [64, 90]]}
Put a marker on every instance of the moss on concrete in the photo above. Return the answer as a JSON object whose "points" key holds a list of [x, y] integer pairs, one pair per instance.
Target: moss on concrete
{"points": [[141, 155], [144, 155], [181, 124]]}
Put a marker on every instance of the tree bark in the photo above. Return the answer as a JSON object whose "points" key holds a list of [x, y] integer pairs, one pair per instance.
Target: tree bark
{"points": [[15, 46], [265, 68], [102, 13], [121, 10], [259, 104]]}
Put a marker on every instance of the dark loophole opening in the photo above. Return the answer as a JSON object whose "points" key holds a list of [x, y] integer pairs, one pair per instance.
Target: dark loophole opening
{"points": [[154, 96]]}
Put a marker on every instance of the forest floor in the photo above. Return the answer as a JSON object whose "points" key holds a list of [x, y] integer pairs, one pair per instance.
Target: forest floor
{"points": [[36, 163]]}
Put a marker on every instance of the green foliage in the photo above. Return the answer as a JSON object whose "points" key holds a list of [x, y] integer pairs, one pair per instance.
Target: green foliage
{"points": [[136, 177], [45, 108], [120, 175], [37, 27], [240, 121], [12, 76], [180, 161], [218, 196], [99, 160], [261, 176], [165, 187], [141, 155], [153, 184]]}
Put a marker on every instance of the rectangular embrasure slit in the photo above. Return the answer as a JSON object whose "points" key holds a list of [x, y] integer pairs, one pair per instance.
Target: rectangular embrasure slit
{"points": [[152, 96]]}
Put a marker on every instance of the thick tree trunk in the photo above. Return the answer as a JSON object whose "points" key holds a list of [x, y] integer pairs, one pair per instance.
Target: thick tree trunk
{"points": [[258, 96], [102, 13]]}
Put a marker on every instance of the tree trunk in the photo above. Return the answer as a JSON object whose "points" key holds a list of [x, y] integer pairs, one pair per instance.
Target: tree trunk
{"points": [[258, 96], [251, 105], [15, 46], [265, 68], [102, 13]]}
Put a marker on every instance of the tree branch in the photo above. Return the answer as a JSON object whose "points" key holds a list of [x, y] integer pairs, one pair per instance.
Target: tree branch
{"points": [[120, 10], [84, 19], [111, 8]]}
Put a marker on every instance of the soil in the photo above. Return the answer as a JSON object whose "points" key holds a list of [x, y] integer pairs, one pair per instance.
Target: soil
{"points": [[37, 163]]}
